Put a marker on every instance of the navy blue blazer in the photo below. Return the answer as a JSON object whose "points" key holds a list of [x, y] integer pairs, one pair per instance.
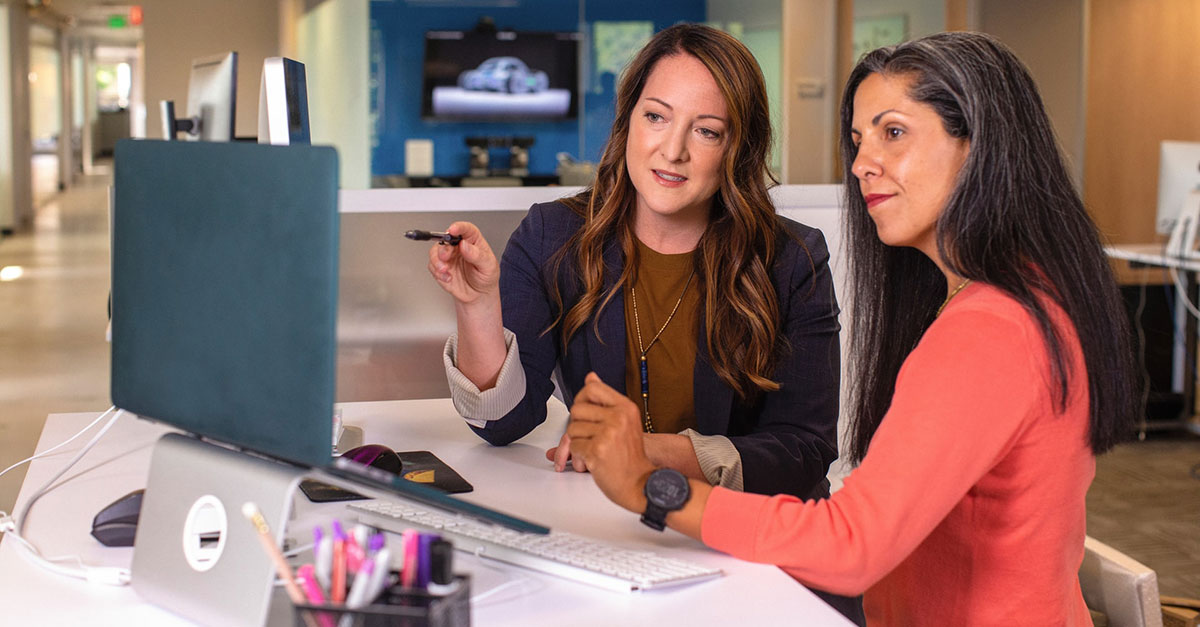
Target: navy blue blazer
{"points": [[787, 439]]}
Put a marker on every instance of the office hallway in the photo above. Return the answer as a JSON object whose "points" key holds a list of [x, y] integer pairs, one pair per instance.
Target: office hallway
{"points": [[1145, 500], [53, 354]]}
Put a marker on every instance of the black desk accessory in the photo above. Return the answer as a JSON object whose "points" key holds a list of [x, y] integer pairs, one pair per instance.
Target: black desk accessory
{"points": [[418, 466], [116, 524]]}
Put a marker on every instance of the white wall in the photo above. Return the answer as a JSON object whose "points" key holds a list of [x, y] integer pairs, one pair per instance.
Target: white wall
{"points": [[175, 32], [332, 42]]}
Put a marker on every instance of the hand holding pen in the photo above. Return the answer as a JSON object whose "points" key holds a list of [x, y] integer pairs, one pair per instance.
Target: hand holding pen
{"points": [[468, 271]]}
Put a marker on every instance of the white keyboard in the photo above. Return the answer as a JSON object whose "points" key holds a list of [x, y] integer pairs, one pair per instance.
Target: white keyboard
{"points": [[557, 553]]}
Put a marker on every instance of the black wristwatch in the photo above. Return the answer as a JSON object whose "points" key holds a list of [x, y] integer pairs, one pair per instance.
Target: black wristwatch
{"points": [[667, 490]]}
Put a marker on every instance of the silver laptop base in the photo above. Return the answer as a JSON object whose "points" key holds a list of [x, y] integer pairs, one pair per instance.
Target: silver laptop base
{"points": [[195, 553]]}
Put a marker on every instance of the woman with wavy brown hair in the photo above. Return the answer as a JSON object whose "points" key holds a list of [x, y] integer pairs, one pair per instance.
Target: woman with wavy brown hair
{"points": [[673, 279]]}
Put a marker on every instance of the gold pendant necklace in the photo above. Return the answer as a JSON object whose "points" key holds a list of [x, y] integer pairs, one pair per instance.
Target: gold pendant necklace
{"points": [[645, 370], [954, 292]]}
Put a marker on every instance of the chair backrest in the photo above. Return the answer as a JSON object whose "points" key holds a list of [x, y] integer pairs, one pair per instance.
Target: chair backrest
{"points": [[1119, 586]]}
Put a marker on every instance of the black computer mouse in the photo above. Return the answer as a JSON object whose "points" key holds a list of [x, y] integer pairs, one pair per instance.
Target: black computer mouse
{"points": [[116, 524], [376, 455]]}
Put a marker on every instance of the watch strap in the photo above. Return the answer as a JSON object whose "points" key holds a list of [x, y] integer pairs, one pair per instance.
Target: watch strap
{"points": [[654, 517]]}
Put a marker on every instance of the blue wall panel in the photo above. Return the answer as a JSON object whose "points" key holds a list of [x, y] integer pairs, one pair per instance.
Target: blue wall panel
{"points": [[398, 45]]}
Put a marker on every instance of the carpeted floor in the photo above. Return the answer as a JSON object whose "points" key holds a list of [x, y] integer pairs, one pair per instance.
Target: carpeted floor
{"points": [[1145, 502]]}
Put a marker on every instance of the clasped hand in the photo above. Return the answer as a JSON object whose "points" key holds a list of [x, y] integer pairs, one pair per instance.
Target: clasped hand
{"points": [[605, 433]]}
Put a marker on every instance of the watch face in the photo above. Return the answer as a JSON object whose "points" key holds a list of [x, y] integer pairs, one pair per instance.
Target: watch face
{"points": [[668, 489]]}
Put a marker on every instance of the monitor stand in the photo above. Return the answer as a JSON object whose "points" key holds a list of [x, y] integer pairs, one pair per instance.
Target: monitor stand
{"points": [[1184, 236], [195, 553]]}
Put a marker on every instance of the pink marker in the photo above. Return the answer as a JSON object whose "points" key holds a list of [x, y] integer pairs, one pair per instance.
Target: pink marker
{"points": [[409, 541], [308, 583], [314, 593], [354, 554]]}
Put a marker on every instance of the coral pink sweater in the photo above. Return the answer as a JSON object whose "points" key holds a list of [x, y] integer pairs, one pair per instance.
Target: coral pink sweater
{"points": [[969, 506]]}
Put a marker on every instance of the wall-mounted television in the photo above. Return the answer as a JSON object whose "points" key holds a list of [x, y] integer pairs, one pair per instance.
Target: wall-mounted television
{"points": [[500, 75]]}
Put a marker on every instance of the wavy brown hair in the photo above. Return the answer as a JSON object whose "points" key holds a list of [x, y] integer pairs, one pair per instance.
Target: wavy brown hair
{"points": [[734, 256]]}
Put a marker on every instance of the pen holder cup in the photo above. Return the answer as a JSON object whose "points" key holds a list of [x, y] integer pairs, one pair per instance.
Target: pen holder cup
{"points": [[397, 606]]}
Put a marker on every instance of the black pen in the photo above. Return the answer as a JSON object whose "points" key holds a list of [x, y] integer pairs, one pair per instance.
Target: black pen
{"points": [[445, 238]]}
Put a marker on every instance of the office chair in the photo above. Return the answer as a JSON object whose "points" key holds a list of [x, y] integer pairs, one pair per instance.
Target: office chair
{"points": [[1125, 590]]}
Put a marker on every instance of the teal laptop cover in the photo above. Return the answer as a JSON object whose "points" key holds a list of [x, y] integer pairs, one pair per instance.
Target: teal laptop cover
{"points": [[224, 291]]}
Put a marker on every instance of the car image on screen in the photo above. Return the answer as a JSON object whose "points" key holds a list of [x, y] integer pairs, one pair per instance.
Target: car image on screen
{"points": [[506, 74]]}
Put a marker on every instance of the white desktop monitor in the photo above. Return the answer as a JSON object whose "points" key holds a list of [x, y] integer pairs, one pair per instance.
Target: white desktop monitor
{"points": [[283, 103], [212, 99], [212, 96], [1178, 175]]}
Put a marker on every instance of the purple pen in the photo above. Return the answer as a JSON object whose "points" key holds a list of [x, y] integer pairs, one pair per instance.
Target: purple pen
{"points": [[377, 542], [424, 559]]}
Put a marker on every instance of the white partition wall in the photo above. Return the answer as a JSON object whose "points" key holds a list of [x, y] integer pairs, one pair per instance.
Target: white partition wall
{"points": [[820, 206]]}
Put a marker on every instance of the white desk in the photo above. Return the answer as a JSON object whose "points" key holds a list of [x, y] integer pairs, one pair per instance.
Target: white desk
{"points": [[515, 479], [1153, 255]]}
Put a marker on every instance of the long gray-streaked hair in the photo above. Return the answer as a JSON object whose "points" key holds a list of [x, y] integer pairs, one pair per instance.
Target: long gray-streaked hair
{"points": [[1014, 221]]}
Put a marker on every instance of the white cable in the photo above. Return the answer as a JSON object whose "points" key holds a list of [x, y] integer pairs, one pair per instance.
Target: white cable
{"points": [[1182, 291], [1141, 352], [14, 527], [60, 444]]}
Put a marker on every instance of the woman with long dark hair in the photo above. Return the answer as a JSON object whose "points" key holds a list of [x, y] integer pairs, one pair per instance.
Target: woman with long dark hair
{"points": [[991, 362], [671, 277]]}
